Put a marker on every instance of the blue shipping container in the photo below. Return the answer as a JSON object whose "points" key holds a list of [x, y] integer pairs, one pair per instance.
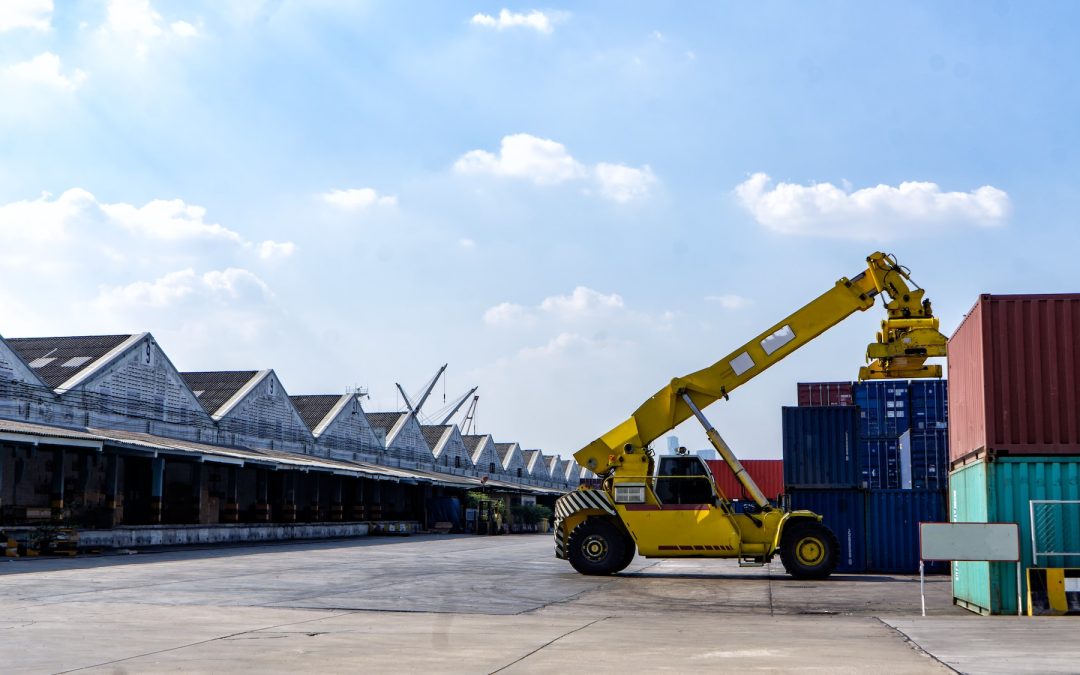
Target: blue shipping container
{"points": [[892, 529], [883, 408], [929, 457], [879, 463], [820, 447], [929, 401], [843, 512]]}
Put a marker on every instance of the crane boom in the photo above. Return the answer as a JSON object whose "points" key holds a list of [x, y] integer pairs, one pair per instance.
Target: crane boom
{"points": [[457, 404], [908, 337]]}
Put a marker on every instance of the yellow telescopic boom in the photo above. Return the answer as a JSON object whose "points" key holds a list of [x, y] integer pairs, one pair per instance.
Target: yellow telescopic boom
{"points": [[909, 335]]}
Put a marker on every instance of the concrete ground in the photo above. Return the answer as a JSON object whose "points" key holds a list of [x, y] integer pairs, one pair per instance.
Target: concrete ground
{"points": [[485, 605]]}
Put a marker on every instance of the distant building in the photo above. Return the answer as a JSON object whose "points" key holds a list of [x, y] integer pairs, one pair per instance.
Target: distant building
{"points": [[672, 444], [708, 453]]}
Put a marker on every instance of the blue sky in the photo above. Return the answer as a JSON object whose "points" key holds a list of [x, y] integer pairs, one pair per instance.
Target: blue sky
{"points": [[569, 204]]}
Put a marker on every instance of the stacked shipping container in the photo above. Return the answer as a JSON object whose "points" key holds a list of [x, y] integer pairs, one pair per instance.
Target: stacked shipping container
{"points": [[1014, 433], [866, 498]]}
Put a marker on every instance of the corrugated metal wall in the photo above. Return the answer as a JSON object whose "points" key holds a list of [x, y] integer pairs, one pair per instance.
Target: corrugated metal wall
{"points": [[824, 393], [820, 447], [1001, 491], [843, 512], [1014, 376], [767, 473], [892, 528]]}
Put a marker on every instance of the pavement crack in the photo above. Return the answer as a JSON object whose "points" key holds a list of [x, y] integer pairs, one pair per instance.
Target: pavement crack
{"points": [[230, 636], [549, 643], [914, 645]]}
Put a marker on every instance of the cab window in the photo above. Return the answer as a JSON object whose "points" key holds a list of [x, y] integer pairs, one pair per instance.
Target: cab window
{"points": [[683, 480]]}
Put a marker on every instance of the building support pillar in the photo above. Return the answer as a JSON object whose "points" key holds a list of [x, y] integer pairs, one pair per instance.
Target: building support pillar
{"points": [[231, 513], [358, 512], [262, 496], [198, 487], [157, 489], [288, 496], [112, 484], [57, 494], [316, 496], [376, 510], [337, 512]]}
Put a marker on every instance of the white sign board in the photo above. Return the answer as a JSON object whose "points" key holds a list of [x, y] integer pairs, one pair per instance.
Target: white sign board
{"points": [[969, 541]]}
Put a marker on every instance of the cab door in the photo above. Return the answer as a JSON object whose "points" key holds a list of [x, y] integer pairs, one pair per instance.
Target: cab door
{"points": [[685, 521]]}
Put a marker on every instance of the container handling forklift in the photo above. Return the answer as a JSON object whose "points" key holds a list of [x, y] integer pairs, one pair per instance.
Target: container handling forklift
{"points": [[671, 507]]}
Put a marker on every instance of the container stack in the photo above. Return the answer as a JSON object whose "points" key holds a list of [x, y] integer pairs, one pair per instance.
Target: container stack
{"points": [[822, 474], [1014, 436], [893, 455]]}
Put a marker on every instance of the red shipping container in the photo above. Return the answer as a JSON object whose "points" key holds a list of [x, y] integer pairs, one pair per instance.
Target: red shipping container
{"points": [[767, 473], [1014, 377], [825, 393]]}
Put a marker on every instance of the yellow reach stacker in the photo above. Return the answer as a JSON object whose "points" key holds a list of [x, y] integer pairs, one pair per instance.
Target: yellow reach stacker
{"points": [[670, 506]]}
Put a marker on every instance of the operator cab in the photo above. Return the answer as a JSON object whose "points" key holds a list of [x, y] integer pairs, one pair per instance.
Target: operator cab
{"points": [[684, 479]]}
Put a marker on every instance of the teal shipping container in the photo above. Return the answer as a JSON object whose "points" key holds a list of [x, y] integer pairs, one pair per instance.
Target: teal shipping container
{"points": [[1000, 492]]}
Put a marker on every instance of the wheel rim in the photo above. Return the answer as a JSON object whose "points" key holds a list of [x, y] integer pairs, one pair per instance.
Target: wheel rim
{"points": [[810, 551], [594, 548]]}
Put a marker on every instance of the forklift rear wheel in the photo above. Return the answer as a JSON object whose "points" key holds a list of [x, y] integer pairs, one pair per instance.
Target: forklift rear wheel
{"points": [[597, 547], [808, 550]]}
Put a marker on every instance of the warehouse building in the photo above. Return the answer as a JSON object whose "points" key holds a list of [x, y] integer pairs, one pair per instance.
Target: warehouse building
{"points": [[105, 432]]}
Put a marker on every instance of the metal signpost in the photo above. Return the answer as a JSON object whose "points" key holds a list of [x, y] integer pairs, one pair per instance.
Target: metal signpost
{"points": [[951, 542]]}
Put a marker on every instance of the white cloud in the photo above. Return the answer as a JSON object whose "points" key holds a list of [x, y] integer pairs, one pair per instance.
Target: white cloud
{"points": [[77, 218], [624, 183], [582, 302], [45, 69], [273, 250], [536, 20], [355, 199], [524, 156], [547, 162], [729, 301], [133, 16], [556, 346], [183, 29], [35, 14], [466, 244], [507, 313], [870, 213]]}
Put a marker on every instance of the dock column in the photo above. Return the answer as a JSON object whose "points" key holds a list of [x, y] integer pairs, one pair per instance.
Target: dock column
{"points": [[262, 496], [157, 489], [198, 487], [288, 496], [316, 488], [112, 482], [231, 513], [57, 494], [337, 512]]}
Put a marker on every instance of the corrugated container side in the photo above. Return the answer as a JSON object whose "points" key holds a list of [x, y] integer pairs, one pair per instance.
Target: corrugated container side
{"points": [[825, 393], [929, 404], [879, 463], [929, 459], [767, 473], [821, 447], [1001, 491], [1014, 377], [883, 408], [843, 512], [892, 528]]}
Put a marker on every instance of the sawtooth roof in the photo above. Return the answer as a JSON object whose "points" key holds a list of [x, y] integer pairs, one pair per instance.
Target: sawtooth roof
{"points": [[314, 408], [58, 359], [215, 388], [383, 420], [433, 433]]}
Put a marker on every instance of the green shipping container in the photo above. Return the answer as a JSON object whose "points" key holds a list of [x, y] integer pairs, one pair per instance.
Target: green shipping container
{"points": [[1000, 492]]}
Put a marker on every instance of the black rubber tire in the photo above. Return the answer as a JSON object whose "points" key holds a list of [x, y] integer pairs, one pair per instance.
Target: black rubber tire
{"points": [[809, 550], [628, 555], [597, 547]]}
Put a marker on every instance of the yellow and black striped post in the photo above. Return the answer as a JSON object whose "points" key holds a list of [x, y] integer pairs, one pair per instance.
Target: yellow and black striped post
{"points": [[1053, 591]]}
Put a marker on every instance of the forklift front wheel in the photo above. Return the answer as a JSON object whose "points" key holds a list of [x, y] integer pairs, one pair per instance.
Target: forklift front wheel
{"points": [[597, 547], [808, 550]]}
